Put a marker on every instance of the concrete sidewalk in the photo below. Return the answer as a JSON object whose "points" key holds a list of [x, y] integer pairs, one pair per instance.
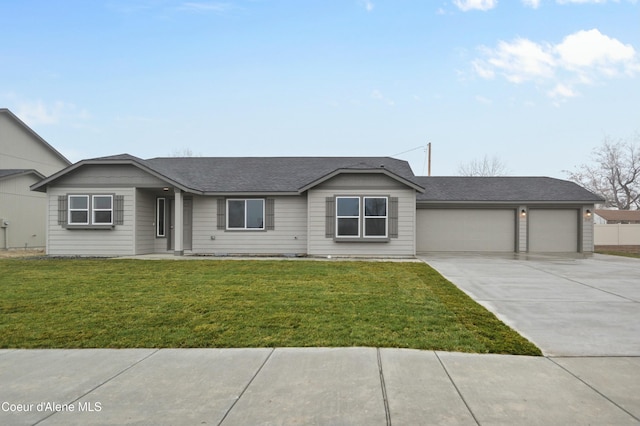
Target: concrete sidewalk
{"points": [[359, 386]]}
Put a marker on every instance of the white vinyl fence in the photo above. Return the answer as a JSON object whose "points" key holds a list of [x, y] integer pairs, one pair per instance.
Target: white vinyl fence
{"points": [[616, 235]]}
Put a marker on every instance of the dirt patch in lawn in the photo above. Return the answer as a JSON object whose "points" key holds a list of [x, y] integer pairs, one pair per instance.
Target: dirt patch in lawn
{"points": [[19, 253]]}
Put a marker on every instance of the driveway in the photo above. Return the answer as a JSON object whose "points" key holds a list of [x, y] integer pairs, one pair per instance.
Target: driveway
{"points": [[566, 306]]}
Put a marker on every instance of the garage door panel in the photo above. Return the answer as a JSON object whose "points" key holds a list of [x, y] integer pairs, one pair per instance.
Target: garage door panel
{"points": [[553, 230], [488, 230]]}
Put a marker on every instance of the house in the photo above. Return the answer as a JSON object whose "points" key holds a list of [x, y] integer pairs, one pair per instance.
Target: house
{"points": [[317, 206], [25, 159], [609, 217]]}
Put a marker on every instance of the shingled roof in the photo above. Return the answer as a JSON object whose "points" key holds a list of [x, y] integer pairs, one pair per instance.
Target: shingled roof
{"points": [[6, 173], [502, 189], [267, 174], [252, 174], [294, 175]]}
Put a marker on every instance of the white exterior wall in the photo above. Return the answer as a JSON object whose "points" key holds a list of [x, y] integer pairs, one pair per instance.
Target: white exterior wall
{"points": [[288, 237], [118, 241], [362, 185]]}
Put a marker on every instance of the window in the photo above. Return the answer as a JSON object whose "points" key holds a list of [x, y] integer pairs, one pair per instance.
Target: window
{"points": [[366, 217], [160, 217], [78, 210], [375, 216], [102, 210], [89, 210], [348, 216], [245, 214]]}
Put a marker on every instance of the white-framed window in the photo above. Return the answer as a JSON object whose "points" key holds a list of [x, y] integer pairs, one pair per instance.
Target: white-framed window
{"points": [[348, 217], [78, 210], [245, 214], [362, 217], [375, 217], [161, 214], [102, 210]]}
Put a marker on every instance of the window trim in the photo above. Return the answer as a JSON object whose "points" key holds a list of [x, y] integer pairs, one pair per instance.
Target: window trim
{"points": [[245, 228], [338, 217], [90, 223], [361, 237], [365, 217], [164, 217], [71, 210], [94, 210]]}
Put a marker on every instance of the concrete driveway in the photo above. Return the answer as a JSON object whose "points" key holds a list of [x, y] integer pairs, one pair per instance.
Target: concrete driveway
{"points": [[566, 306]]}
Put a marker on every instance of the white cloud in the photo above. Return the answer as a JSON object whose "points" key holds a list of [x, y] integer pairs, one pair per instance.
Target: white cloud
{"points": [[466, 5], [367, 4], [205, 7], [581, 58], [534, 4], [377, 95], [562, 91], [483, 100], [580, 1], [521, 60], [594, 49], [37, 112]]}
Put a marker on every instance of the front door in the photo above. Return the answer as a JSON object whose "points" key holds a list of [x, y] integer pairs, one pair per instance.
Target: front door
{"points": [[187, 224]]}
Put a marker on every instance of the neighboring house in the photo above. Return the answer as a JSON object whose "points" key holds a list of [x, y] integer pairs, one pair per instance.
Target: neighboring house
{"points": [[317, 206], [25, 159], [612, 217]]}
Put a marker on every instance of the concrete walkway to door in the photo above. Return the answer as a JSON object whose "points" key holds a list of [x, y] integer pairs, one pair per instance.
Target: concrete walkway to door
{"points": [[566, 306]]}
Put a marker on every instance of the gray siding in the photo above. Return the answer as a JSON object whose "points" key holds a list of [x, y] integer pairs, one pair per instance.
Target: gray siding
{"points": [[362, 185], [113, 175], [118, 241], [20, 149], [24, 210], [145, 217], [288, 236], [522, 229], [587, 229]]}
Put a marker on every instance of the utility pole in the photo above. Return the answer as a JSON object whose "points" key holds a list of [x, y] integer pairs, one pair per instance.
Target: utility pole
{"points": [[429, 158]]}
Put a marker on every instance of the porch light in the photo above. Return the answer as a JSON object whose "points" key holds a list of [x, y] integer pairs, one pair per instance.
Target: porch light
{"points": [[588, 213], [523, 212], [165, 189]]}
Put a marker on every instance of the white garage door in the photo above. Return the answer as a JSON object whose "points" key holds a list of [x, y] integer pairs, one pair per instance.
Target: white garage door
{"points": [[553, 230], [487, 230]]}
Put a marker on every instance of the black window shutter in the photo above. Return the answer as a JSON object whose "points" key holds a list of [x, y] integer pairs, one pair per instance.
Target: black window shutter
{"points": [[270, 213], [393, 217], [330, 215], [118, 210], [222, 214], [62, 210]]}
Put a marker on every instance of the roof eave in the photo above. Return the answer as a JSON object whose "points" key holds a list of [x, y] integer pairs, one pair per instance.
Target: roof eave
{"points": [[42, 185], [384, 171], [507, 202]]}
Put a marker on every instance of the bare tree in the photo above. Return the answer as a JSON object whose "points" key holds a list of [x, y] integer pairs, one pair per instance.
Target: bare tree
{"points": [[185, 152], [614, 173], [486, 167]]}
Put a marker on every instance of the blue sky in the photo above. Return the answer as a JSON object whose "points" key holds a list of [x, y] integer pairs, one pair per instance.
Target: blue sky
{"points": [[536, 83]]}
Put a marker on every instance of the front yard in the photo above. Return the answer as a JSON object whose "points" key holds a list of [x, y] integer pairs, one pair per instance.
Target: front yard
{"points": [[95, 303]]}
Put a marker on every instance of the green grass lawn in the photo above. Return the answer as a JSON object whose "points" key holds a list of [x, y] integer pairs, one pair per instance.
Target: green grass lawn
{"points": [[93, 303], [619, 253]]}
